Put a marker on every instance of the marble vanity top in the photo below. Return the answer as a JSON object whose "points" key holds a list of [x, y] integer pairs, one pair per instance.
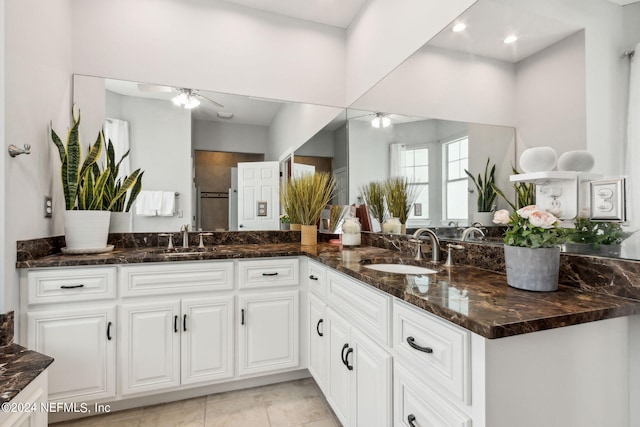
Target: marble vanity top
{"points": [[476, 299], [18, 367]]}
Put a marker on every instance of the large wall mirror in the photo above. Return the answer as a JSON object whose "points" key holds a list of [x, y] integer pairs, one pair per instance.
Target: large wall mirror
{"points": [[193, 153]]}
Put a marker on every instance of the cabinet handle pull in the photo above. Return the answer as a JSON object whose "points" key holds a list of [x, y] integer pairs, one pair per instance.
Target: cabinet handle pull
{"points": [[270, 274], [242, 315], [109, 331], [346, 359], [411, 342], [184, 322], [72, 286], [411, 418], [175, 323], [344, 362], [312, 277], [318, 328]]}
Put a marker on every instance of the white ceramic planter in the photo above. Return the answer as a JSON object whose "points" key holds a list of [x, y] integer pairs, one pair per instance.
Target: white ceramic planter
{"points": [[532, 269], [484, 218], [120, 222], [578, 161], [86, 229]]}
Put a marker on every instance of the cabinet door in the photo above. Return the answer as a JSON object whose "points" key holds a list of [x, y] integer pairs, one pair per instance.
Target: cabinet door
{"points": [[338, 375], [268, 332], [149, 347], [317, 341], [207, 339], [82, 343], [371, 385]]}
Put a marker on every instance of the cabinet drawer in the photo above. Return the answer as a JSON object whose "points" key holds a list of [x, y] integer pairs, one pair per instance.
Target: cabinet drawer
{"points": [[70, 284], [417, 405], [317, 275], [439, 352], [176, 278], [268, 272], [368, 308]]}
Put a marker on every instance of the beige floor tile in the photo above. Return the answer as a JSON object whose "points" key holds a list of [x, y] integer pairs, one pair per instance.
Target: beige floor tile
{"points": [[290, 390], [131, 416], [236, 394], [243, 411], [198, 402], [322, 423], [292, 411], [189, 416]]}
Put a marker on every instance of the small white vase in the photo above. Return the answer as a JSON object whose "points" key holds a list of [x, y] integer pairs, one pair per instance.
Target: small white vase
{"points": [[578, 161], [484, 218], [86, 229], [120, 222]]}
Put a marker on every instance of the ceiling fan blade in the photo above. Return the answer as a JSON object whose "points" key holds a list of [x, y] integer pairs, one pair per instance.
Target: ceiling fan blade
{"points": [[146, 87], [210, 100]]}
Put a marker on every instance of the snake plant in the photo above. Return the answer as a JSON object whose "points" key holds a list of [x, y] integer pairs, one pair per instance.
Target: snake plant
{"points": [[485, 187], [115, 192], [83, 186]]}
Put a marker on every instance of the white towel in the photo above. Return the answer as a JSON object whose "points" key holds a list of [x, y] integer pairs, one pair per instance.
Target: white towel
{"points": [[168, 205], [148, 203]]}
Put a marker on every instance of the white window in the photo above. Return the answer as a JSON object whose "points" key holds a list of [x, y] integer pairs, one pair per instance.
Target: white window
{"points": [[415, 167], [456, 160]]}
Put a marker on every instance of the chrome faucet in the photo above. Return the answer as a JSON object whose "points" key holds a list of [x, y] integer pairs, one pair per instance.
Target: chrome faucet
{"points": [[185, 235], [470, 230], [435, 244]]}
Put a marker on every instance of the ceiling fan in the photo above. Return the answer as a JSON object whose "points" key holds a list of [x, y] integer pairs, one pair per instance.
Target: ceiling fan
{"points": [[187, 98]]}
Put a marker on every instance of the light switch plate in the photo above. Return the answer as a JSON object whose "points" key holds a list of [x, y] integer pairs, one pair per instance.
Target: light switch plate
{"points": [[417, 209], [262, 208], [608, 200]]}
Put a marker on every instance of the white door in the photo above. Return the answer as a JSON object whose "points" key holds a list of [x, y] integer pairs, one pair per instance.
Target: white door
{"points": [[341, 178], [338, 375], [317, 340], [82, 342], [371, 383], [268, 332], [149, 347], [258, 196], [207, 339]]}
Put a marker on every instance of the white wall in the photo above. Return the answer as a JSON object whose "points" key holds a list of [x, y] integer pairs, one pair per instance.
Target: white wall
{"points": [[320, 145], [89, 98], [550, 99], [160, 141], [295, 124], [211, 45], [37, 91], [387, 32], [216, 136], [447, 85], [368, 155]]}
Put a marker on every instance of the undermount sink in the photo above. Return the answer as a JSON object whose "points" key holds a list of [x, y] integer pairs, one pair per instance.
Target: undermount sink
{"points": [[400, 268]]}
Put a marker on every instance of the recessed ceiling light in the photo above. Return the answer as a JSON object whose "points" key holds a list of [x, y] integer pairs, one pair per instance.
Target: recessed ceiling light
{"points": [[224, 115], [459, 27], [510, 39]]}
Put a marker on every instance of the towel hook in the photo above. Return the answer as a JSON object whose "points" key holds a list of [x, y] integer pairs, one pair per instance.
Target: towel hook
{"points": [[15, 151]]}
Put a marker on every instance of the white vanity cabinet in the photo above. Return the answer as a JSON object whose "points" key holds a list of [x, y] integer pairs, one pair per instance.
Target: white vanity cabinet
{"points": [[353, 368], [34, 397], [268, 323], [70, 315], [167, 340]]}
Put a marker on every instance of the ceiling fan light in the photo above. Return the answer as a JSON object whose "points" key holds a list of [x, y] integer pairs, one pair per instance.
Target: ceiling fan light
{"points": [[180, 99], [376, 122], [386, 121], [192, 102], [460, 26], [380, 121]]}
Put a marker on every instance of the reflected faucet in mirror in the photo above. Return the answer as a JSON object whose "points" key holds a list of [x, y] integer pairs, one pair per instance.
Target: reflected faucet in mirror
{"points": [[469, 232]]}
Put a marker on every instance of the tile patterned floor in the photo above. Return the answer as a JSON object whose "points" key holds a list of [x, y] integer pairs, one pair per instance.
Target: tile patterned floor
{"points": [[290, 404]]}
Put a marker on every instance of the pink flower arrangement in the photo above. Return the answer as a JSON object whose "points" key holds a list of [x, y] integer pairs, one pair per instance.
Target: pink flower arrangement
{"points": [[529, 227]]}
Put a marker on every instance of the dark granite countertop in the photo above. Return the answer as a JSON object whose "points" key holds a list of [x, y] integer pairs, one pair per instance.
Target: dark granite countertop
{"points": [[476, 299], [18, 367]]}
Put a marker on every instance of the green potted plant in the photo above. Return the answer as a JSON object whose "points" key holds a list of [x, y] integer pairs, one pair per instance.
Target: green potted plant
{"points": [[285, 222], [86, 218], [525, 193], [119, 192], [485, 186], [400, 195], [373, 195], [596, 238], [531, 248], [306, 197]]}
